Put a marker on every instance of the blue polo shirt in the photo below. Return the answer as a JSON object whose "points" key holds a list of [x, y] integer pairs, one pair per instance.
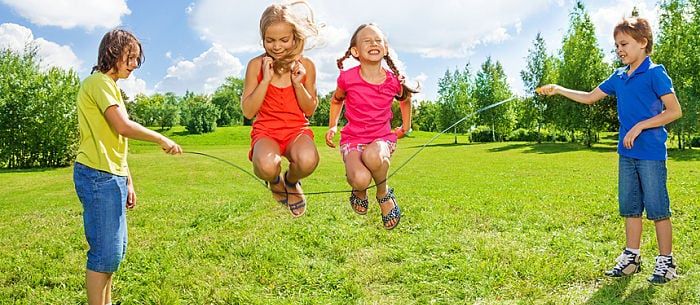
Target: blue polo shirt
{"points": [[639, 98]]}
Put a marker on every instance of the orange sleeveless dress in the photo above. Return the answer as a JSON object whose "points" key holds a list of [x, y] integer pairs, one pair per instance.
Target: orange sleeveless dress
{"points": [[279, 118]]}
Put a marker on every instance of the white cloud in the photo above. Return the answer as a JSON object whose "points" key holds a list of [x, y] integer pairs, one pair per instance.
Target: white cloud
{"points": [[133, 86], [17, 38], [203, 74], [68, 14], [442, 29]]}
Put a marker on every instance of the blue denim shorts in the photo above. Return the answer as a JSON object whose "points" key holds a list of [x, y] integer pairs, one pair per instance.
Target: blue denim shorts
{"points": [[103, 196], [642, 186]]}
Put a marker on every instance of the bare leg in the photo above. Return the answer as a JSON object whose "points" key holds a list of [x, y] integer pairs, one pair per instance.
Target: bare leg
{"points": [[303, 159], [664, 236], [267, 165], [358, 176], [108, 292], [97, 286], [376, 158], [633, 232]]}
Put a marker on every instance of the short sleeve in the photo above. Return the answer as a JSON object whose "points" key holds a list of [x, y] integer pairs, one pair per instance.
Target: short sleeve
{"points": [[342, 80], [661, 82], [104, 94], [608, 86]]}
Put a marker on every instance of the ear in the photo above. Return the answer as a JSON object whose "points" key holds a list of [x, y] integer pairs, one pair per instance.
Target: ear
{"points": [[645, 43], [355, 53]]}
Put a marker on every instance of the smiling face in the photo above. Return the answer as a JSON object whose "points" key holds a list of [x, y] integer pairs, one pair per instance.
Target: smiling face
{"points": [[127, 63], [629, 50], [370, 45], [279, 39]]}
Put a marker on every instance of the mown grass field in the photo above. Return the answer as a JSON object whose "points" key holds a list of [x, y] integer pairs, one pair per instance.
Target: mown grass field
{"points": [[502, 223]]}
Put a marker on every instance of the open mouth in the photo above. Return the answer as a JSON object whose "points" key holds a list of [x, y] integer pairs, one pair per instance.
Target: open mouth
{"points": [[374, 52]]}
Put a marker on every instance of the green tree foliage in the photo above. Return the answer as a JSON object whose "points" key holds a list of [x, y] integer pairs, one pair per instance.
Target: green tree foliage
{"points": [[582, 68], [227, 99], [491, 86], [455, 99], [198, 114], [322, 112], [540, 70], [427, 116], [679, 27], [38, 113]]}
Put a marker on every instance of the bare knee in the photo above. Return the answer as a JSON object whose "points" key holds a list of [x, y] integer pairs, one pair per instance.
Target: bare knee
{"points": [[305, 161], [359, 180], [267, 168], [374, 158]]}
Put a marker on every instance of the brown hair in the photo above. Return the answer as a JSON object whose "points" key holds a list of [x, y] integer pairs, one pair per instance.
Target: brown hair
{"points": [[114, 43], [389, 61], [637, 28], [302, 27]]}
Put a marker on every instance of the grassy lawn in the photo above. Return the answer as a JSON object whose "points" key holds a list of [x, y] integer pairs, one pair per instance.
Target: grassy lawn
{"points": [[502, 223]]}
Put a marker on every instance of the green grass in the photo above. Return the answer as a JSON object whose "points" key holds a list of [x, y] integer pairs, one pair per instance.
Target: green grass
{"points": [[502, 223]]}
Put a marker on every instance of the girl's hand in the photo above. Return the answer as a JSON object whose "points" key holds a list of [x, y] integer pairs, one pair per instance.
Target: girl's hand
{"points": [[170, 147], [131, 194], [631, 135], [267, 69], [548, 90], [330, 134], [400, 133], [297, 72]]}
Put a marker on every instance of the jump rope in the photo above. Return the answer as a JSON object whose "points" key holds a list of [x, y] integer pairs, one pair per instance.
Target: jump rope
{"points": [[265, 185]]}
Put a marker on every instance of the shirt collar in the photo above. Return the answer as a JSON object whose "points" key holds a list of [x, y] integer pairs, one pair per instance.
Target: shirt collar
{"points": [[643, 67]]}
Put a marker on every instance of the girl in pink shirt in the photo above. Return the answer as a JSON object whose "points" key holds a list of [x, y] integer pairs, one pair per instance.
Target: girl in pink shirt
{"points": [[367, 141]]}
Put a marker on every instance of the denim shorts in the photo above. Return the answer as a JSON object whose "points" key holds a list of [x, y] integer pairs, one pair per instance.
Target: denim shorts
{"points": [[642, 186], [103, 196]]}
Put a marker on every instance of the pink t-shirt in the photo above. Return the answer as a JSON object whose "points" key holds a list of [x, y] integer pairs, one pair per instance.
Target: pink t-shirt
{"points": [[367, 107]]}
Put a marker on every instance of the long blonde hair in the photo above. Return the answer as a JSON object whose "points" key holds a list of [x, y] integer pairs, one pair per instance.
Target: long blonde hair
{"points": [[389, 61], [303, 27]]}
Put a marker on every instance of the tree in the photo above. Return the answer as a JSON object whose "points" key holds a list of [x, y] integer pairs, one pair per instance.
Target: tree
{"points": [[679, 27], [582, 68], [320, 116], [540, 71], [227, 99], [491, 86], [198, 114], [38, 113]]}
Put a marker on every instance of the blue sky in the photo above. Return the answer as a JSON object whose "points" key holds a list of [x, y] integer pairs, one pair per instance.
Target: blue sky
{"points": [[194, 45]]}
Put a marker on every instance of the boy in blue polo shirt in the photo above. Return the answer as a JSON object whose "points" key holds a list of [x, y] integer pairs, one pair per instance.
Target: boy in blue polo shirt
{"points": [[643, 90]]}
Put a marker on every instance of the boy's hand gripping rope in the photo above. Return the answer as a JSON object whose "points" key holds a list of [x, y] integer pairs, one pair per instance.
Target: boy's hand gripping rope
{"points": [[390, 175]]}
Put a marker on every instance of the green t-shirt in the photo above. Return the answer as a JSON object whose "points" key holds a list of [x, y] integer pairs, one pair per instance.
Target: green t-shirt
{"points": [[101, 147]]}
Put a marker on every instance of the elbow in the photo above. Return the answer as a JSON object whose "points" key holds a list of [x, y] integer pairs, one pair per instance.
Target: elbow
{"points": [[125, 130], [679, 114], [248, 115]]}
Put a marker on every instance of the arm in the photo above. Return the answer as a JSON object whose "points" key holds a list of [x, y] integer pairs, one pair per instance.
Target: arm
{"points": [[405, 106], [306, 91], [118, 119], [588, 98], [131, 196], [254, 92], [672, 113], [334, 115]]}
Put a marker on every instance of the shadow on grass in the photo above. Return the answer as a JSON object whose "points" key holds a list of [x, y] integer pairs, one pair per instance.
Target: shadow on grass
{"points": [[28, 170], [613, 292], [684, 155], [444, 145], [554, 148]]}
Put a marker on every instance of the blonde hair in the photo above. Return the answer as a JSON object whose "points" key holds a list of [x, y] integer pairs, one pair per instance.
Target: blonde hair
{"points": [[637, 28], [389, 61], [303, 27]]}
